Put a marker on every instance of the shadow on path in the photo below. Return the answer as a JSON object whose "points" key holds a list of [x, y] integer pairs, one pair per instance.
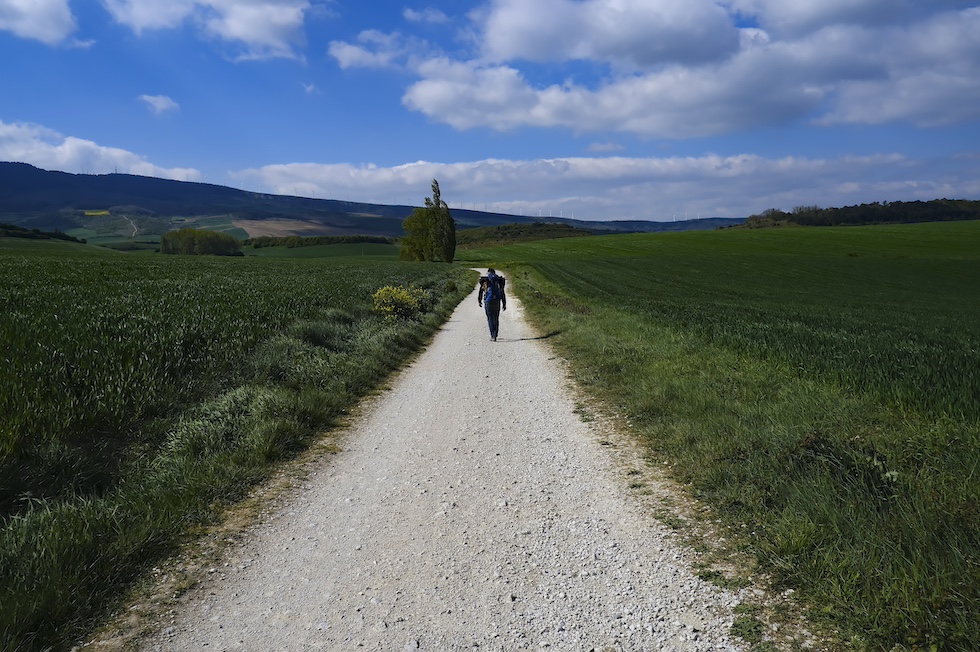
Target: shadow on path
{"points": [[528, 339]]}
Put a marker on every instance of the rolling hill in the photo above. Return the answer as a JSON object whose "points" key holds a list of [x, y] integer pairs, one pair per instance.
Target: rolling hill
{"points": [[40, 199]]}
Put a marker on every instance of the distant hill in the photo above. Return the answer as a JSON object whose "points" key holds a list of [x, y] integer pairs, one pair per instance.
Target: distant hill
{"points": [[34, 198], [37, 198]]}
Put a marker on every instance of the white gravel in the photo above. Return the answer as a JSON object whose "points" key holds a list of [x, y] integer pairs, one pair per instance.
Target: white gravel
{"points": [[471, 508]]}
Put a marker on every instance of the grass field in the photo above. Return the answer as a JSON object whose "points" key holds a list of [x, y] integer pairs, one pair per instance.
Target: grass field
{"points": [[140, 393], [818, 388], [24, 249], [376, 251]]}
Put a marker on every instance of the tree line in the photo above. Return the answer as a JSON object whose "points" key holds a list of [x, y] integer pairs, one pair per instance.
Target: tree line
{"points": [[293, 241], [199, 242], [492, 236], [938, 210]]}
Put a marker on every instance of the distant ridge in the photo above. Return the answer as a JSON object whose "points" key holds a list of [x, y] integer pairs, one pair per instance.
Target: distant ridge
{"points": [[36, 198]]}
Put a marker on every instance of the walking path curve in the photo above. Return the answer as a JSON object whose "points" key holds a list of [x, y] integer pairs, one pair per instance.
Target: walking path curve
{"points": [[471, 509]]}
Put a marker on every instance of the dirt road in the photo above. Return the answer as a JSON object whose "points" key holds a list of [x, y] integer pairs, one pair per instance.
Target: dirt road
{"points": [[471, 509]]}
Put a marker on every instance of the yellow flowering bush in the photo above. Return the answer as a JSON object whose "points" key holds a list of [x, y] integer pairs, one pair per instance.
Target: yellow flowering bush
{"points": [[398, 302]]}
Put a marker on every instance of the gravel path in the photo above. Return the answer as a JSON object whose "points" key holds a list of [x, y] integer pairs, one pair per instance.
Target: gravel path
{"points": [[471, 509]]}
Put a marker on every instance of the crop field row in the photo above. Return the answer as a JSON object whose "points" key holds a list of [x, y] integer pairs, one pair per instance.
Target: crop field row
{"points": [[96, 346], [877, 310], [367, 250], [819, 388], [138, 393]]}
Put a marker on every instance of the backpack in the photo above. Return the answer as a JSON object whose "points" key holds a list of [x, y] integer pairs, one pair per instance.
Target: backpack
{"points": [[495, 288]]}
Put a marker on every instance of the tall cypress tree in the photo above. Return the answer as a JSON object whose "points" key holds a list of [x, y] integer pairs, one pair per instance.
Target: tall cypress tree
{"points": [[443, 223], [430, 231]]}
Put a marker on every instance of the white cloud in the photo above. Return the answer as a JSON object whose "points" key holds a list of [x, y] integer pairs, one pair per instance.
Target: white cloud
{"points": [[377, 50], [433, 16], [48, 21], [630, 188], [269, 28], [634, 33], [795, 17], [923, 73], [47, 149], [926, 99], [265, 28], [160, 103], [674, 103], [928, 76], [139, 15], [788, 18], [466, 96]]}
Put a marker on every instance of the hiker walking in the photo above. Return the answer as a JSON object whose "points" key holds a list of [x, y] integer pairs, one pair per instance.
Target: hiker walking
{"points": [[492, 298]]}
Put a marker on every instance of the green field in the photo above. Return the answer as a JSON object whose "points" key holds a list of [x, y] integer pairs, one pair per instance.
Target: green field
{"points": [[141, 393], [373, 250], [818, 388], [24, 249]]}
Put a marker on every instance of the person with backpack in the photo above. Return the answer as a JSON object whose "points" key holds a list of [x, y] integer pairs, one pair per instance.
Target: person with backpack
{"points": [[491, 296]]}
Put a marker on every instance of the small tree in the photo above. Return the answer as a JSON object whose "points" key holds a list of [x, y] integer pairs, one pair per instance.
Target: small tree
{"points": [[418, 241], [430, 231]]}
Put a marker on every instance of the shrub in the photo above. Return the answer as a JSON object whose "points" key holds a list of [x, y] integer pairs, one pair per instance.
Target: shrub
{"points": [[402, 303]]}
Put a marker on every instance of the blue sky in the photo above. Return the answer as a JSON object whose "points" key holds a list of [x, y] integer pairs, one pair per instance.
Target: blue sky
{"points": [[593, 109]]}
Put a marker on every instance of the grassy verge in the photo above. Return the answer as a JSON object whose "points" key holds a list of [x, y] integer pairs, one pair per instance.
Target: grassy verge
{"points": [[816, 388], [260, 392]]}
